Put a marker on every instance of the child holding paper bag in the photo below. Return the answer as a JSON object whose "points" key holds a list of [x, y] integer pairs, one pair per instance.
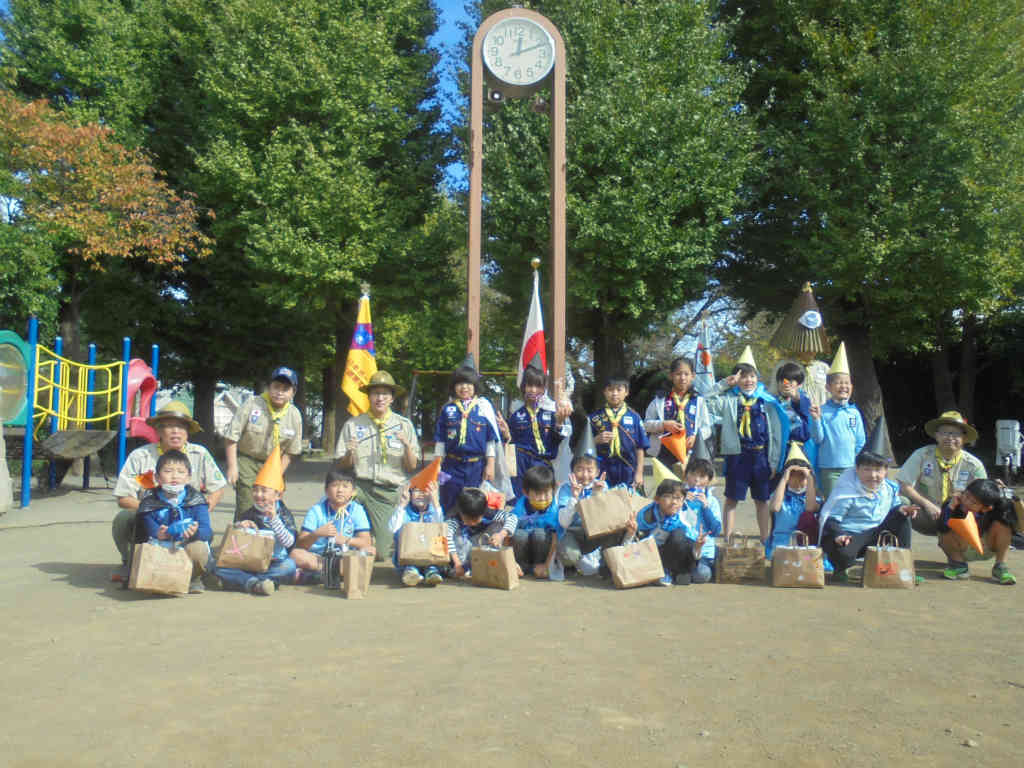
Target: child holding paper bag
{"points": [[416, 505], [475, 524]]}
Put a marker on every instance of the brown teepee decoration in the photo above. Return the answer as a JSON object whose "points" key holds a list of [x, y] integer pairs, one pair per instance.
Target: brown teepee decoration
{"points": [[802, 332]]}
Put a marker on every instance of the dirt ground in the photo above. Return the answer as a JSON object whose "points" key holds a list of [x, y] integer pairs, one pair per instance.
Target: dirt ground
{"points": [[552, 674]]}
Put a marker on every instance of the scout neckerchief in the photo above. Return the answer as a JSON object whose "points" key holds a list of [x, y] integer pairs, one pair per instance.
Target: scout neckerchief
{"points": [[681, 407], [379, 424], [747, 403], [275, 416], [946, 467], [535, 423], [464, 410], [615, 446]]}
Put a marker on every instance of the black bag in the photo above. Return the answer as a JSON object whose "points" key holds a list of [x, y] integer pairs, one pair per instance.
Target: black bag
{"points": [[330, 567]]}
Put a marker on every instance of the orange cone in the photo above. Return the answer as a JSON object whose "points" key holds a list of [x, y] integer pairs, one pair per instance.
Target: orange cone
{"points": [[967, 529], [427, 475], [147, 480], [676, 443], [270, 475]]}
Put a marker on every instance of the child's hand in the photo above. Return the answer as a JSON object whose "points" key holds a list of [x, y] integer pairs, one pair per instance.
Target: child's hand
{"points": [[631, 523], [672, 426], [489, 473], [161, 533], [540, 570], [498, 539], [326, 530], [690, 441], [954, 500], [910, 510], [403, 496], [503, 427], [575, 486], [815, 411], [601, 484], [638, 478], [460, 571], [604, 438], [797, 471], [245, 524], [232, 475], [190, 532], [732, 380]]}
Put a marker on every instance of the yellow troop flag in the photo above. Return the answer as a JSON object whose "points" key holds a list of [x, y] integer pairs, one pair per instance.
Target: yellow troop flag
{"points": [[361, 362]]}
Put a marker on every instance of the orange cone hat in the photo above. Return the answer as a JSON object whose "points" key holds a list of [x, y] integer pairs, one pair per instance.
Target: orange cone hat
{"points": [[967, 529], [147, 479], [270, 475], [676, 443], [427, 475]]}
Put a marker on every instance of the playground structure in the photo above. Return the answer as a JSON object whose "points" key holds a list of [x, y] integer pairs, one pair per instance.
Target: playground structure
{"points": [[71, 410]]}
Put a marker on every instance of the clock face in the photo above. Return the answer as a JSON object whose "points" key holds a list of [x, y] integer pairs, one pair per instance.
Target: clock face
{"points": [[519, 51]]}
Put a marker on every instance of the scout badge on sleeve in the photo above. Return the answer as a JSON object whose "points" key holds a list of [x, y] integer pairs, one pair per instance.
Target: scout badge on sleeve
{"points": [[887, 565], [634, 564], [741, 558], [422, 544], [496, 568], [356, 570], [799, 564], [160, 570], [247, 549]]}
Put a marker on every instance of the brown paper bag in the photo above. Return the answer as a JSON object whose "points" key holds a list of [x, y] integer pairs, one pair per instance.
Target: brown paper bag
{"points": [[635, 564], [491, 567], [160, 570], [422, 544], [887, 566], [356, 570], [608, 511], [245, 549], [799, 564], [740, 559]]}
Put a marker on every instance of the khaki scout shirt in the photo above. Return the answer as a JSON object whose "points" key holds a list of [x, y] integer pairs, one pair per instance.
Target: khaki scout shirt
{"points": [[206, 478], [368, 464], [252, 427], [922, 472]]}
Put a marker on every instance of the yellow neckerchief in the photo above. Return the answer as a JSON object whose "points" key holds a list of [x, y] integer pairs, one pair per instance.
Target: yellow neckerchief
{"points": [[747, 403], [946, 467], [615, 446], [160, 449], [275, 417], [379, 424], [535, 423], [681, 408], [464, 410]]}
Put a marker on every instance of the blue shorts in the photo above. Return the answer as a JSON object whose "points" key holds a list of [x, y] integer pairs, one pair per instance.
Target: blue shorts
{"points": [[749, 469]]}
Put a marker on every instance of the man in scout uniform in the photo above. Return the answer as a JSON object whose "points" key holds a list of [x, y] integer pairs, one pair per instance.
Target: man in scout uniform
{"points": [[260, 425], [934, 473], [382, 449], [173, 424]]}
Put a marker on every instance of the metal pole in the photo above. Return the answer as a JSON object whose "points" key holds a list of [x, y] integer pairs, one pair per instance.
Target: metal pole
{"points": [[56, 406], [126, 351], [476, 162], [154, 365], [89, 410], [30, 407]]}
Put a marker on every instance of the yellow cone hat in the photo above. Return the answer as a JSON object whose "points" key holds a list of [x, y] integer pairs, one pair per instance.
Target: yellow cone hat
{"points": [[839, 362], [661, 472], [270, 475], [747, 358], [427, 475], [796, 453]]}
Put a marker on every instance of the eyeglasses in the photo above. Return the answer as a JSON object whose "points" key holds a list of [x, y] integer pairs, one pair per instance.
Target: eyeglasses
{"points": [[949, 433]]}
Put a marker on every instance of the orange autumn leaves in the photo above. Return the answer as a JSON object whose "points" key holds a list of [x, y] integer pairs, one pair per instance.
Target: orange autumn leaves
{"points": [[99, 198]]}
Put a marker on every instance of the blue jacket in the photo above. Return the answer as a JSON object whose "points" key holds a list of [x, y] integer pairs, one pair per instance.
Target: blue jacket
{"points": [[839, 434]]}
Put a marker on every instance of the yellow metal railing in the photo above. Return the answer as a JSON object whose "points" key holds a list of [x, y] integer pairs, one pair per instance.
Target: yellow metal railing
{"points": [[72, 391]]}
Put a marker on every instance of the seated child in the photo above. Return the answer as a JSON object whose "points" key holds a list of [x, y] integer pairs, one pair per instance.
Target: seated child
{"points": [[416, 506], [995, 516], [863, 504], [679, 553], [575, 550], [535, 539], [176, 514], [336, 521], [794, 503], [474, 524], [701, 512], [621, 438], [267, 513]]}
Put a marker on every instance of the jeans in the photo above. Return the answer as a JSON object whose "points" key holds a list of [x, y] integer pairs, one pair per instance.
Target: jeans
{"points": [[280, 572]]}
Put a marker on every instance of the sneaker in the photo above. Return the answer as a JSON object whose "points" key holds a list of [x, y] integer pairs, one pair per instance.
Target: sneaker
{"points": [[121, 575], [828, 566], [265, 587], [196, 587], [683, 579], [1002, 575], [841, 577], [411, 576], [212, 580], [666, 580], [434, 576], [958, 571]]}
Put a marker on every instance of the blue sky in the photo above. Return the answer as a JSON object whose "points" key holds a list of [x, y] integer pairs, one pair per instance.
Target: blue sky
{"points": [[447, 37]]}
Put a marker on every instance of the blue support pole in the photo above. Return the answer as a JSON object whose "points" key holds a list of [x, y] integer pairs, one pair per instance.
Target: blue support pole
{"points": [[89, 409], [30, 395], [55, 405], [155, 366], [122, 432]]}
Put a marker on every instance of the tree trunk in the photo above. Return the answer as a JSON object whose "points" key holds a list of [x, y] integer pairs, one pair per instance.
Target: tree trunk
{"points": [[70, 317], [867, 393], [609, 354], [968, 367], [204, 387], [328, 431], [942, 376]]}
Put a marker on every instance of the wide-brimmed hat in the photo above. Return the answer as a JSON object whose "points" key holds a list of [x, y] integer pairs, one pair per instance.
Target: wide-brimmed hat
{"points": [[177, 411], [382, 379], [955, 419]]}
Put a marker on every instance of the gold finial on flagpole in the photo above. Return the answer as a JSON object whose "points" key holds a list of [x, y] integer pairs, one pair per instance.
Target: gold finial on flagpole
{"points": [[535, 263]]}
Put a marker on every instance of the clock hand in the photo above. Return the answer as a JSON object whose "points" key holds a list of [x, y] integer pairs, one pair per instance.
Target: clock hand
{"points": [[519, 46], [527, 50]]}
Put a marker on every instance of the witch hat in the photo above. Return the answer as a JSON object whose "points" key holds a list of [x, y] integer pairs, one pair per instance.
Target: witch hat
{"points": [[839, 363], [877, 443], [429, 474], [467, 372], [536, 363], [802, 332], [270, 475], [468, 363], [585, 446], [967, 529], [675, 442], [700, 450], [747, 358]]}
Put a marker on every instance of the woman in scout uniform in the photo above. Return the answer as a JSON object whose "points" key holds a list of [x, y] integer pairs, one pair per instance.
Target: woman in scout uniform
{"points": [[381, 448], [934, 473], [682, 410], [259, 426]]}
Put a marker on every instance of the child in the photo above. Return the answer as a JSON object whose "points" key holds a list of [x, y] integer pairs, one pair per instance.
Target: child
{"points": [[700, 513], [837, 426], [535, 539], [175, 513], [683, 410], [267, 513], [474, 524], [536, 429], [260, 425], [466, 435], [416, 506], [754, 431], [620, 436], [679, 553], [794, 401], [794, 503], [863, 504], [336, 521], [575, 550], [996, 518]]}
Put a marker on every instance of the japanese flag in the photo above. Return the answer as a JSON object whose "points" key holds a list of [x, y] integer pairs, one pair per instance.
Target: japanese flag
{"points": [[533, 335]]}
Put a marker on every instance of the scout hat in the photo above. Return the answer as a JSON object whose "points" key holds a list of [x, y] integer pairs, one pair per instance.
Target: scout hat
{"points": [[429, 474], [382, 379], [802, 332], [270, 475], [955, 419], [839, 362], [661, 472], [676, 444], [177, 411], [585, 446], [877, 443], [796, 453], [284, 373], [747, 358]]}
